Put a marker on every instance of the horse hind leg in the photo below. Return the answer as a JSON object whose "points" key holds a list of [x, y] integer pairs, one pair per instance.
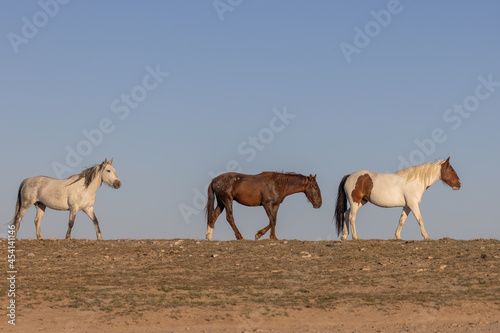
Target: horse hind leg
{"points": [[212, 217], [345, 229], [230, 220], [19, 216], [40, 211], [352, 218]]}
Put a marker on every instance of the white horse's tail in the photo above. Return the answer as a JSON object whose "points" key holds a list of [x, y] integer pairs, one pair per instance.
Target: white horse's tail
{"points": [[18, 203], [341, 206]]}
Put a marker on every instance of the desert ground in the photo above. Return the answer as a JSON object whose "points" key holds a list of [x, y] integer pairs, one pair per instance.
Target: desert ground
{"points": [[255, 286]]}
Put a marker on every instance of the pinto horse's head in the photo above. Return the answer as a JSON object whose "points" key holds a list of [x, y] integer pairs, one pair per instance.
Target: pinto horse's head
{"points": [[109, 175], [449, 176], [312, 191]]}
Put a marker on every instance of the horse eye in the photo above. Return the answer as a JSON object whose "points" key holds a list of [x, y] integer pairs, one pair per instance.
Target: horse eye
{"points": [[108, 170]]}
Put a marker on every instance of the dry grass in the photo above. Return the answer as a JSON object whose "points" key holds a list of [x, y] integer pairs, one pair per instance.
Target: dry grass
{"points": [[121, 277]]}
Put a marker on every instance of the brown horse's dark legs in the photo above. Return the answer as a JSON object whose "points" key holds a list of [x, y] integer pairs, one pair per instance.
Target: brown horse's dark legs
{"points": [[230, 219], [212, 217], [262, 232], [271, 211]]}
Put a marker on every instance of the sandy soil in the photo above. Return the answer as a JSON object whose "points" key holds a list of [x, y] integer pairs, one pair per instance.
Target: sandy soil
{"points": [[246, 286]]}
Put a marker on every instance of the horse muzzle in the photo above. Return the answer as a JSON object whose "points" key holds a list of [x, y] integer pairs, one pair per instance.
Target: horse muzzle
{"points": [[457, 186], [117, 184]]}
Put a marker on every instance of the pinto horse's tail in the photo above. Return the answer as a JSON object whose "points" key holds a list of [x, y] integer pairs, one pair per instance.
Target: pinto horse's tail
{"points": [[341, 206], [18, 202]]}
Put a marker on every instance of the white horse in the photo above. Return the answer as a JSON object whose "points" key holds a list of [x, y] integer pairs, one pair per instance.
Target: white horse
{"points": [[74, 193], [404, 188]]}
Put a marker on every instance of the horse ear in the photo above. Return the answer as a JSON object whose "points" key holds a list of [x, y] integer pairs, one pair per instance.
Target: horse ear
{"points": [[105, 161], [315, 176], [111, 162], [447, 162]]}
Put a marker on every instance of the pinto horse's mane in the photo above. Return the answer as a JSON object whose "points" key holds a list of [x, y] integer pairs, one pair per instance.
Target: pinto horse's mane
{"points": [[421, 172], [88, 174]]}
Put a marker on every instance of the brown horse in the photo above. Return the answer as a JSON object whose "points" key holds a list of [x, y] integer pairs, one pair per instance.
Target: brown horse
{"points": [[267, 189]]}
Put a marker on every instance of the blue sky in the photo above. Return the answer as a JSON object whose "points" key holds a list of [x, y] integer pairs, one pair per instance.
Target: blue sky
{"points": [[364, 85]]}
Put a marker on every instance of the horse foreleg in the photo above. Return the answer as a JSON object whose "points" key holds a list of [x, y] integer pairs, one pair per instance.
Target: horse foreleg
{"points": [[72, 216], [90, 213], [230, 220], [416, 212], [271, 211], [40, 210], [402, 219], [262, 232]]}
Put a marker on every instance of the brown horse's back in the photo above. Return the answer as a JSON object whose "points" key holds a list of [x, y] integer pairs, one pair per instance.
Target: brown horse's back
{"points": [[245, 189]]}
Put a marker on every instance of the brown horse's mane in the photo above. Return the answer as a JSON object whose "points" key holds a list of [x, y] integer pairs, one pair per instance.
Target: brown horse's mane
{"points": [[283, 179], [88, 174]]}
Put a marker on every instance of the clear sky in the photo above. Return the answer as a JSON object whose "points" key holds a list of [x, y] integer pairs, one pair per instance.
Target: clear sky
{"points": [[178, 91]]}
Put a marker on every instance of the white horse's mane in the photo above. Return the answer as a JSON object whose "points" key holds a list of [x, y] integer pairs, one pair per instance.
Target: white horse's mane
{"points": [[421, 172]]}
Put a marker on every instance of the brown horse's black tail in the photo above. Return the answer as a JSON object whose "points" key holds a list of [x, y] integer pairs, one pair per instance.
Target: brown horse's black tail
{"points": [[210, 202], [341, 206]]}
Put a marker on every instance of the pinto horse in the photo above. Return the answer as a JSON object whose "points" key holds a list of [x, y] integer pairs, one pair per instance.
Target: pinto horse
{"points": [[404, 188], [267, 189], [75, 193]]}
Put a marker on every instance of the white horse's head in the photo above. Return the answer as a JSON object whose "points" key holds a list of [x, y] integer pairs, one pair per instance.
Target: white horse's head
{"points": [[109, 175]]}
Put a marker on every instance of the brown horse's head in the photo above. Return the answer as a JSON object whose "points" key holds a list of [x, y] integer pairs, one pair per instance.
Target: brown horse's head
{"points": [[449, 176], [312, 191]]}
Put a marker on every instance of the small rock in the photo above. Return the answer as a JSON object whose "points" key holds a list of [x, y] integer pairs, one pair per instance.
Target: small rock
{"points": [[442, 266], [365, 269], [306, 254], [179, 242], [284, 242], [106, 257], [215, 255], [31, 254]]}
